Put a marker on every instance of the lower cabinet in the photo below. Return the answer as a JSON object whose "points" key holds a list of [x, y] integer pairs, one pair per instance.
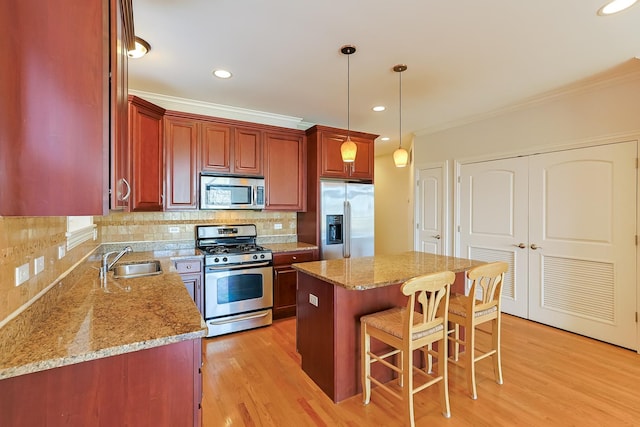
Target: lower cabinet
{"points": [[285, 281], [160, 386], [190, 271]]}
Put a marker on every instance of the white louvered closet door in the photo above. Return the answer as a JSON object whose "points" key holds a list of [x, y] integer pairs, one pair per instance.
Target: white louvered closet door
{"points": [[582, 253]]}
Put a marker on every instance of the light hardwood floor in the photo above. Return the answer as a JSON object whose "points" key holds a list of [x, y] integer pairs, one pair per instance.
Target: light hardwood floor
{"points": [[551, 378]]}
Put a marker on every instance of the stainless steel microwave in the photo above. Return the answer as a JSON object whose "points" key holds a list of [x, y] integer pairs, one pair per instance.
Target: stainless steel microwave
{"points": [[231, 192]]}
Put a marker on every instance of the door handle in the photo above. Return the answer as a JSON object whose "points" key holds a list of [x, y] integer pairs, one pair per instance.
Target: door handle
{"points": [[521, 246], [437, 236], [534, 246]]}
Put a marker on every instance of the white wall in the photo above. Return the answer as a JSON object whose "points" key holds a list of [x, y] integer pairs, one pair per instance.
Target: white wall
{"points": [[393, 206], [603, 111]]}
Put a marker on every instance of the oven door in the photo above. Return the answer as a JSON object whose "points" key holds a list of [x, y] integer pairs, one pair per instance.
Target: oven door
{"points": [[233, 290]]}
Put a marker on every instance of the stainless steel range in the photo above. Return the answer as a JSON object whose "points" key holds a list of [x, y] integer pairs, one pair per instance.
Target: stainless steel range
{"points": [[238, 279]]}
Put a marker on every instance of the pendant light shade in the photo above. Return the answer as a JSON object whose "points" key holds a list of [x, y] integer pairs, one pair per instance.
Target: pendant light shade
{"points": [[348, 149], [400, 156]]}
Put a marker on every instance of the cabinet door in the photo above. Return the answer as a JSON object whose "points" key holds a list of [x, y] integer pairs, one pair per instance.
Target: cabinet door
{"points": [[284, 292], [216, 148], [331, 164], [145, 140], [120, 179], [362, 168], [55, 108], [181, 146], [284, 172], [193, 283], [247, 152]]}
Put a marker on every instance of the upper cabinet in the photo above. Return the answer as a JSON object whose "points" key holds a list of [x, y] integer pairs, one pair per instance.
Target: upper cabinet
{"points": [[285, 176], [181, 153], [327, 141], [229, 149], [55, 132], [146, 153]]}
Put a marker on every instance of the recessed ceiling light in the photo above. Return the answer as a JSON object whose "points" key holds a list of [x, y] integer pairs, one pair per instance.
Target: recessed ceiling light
{"points": [[385, 138], [615, 6], [379, 108], [222, 74], [142, 47]]}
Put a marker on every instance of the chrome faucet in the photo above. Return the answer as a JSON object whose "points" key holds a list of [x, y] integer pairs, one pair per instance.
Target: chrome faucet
{"points": [[106, 265]]}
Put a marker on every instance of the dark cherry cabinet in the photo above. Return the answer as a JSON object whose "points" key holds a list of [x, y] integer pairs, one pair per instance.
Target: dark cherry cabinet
{"points": [[146, 154], [55, 103], [328, 141], [160, 386], [190, 271], [181, 172], [230, 149], [285, 281], [121, 37], [285, 156], [216, 147]]}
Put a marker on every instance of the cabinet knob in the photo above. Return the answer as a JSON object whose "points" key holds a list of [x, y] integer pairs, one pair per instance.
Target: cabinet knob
{"points": [[294, 257], [188, 267]]}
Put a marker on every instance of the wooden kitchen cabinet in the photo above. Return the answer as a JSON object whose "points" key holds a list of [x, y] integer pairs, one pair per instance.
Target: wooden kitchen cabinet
{"points": [[190, 271], [160, 386], [285, 281], [229, 149], [327, 142], [146, 148], [55, 106], [285, 156], [181, 154]]}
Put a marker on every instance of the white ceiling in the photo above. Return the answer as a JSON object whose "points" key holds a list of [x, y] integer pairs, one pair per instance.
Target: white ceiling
{"points": [[465, 57]]}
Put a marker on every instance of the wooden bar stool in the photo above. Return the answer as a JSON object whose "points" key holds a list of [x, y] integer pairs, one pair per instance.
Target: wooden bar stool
{"points": [[406, 330], [469, 312]]}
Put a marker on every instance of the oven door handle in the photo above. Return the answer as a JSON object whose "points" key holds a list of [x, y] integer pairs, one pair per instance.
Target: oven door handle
{"points": [[239, 318], [237, 267]]}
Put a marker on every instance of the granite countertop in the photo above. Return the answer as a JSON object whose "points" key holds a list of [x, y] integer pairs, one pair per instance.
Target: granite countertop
{"points": [[289, 247], [92, 319], [382, 270]]}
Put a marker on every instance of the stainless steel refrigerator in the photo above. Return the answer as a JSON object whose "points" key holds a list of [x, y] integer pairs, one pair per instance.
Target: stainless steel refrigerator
{"points": [[346, 221]]}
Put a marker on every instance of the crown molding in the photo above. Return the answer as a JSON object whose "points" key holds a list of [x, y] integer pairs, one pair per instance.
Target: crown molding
{"points": [[626, 72], [223, 111]]}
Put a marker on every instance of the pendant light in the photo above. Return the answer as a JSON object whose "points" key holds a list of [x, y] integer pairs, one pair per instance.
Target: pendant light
{"points": [[348, 149], [400, 156]]}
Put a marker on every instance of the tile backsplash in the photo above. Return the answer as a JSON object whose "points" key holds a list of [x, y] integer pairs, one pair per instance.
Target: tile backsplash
{"points": [[23, 239]]}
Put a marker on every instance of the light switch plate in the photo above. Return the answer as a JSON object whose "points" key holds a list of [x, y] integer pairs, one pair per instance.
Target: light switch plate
{"points": [[22, 274], [277, 226], [174, 229], [38, 265], [61, 251], [313, 299]]}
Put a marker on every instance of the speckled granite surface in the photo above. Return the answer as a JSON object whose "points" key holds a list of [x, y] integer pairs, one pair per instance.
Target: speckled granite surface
{"points": [[382, 270], [89, 319], [289, 247]]}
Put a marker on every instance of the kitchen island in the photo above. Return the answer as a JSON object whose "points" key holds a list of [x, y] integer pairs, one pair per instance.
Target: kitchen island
{"points": [[105, 352], [334, 294]]}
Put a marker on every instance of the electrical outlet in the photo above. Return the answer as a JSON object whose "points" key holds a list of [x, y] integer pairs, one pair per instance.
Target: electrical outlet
{"points": [[277, 226], [61, 251], [174, 229], [22, 274], [313, 299], [38, 265]]}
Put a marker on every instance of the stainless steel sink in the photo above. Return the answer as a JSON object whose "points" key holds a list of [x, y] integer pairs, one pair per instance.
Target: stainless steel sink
{"points": [[137, 269]]}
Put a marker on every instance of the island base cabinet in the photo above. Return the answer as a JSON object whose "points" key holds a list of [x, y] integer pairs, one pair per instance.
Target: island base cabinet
{"points": [[328, 331], [153, 387]]}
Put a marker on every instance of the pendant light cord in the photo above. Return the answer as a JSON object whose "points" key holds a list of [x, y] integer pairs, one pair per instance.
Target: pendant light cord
{"points": [[400, 73], [348, 96]]}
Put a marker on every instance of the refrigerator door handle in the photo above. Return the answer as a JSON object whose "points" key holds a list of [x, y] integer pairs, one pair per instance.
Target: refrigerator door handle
{"points": [[346, 247]]}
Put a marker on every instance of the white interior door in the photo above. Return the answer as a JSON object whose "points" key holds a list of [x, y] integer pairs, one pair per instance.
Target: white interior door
{"points": [[493, 215], [430, 189], [583, 224]]}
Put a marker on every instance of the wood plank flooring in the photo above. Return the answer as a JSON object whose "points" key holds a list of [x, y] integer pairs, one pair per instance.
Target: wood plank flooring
{"points": [[551, 378]]}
